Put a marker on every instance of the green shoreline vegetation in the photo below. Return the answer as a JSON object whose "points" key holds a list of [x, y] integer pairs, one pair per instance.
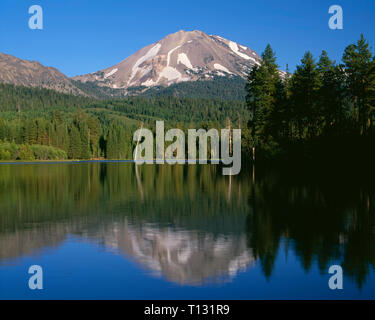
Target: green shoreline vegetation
{"points": [[12, 151], [324, 110]]}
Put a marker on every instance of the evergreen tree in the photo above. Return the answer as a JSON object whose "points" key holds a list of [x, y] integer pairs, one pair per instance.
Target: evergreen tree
{"points": [[370, 92], [2, 129], [279, 121], [112, 143], [95, 131], [85, 142], [358, 61], [261, 89], [75, 143], [331, 94], [30, 132], [304, 93]]}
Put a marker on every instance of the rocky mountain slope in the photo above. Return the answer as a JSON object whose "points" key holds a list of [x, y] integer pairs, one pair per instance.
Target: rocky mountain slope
{"points": [[33, 74], [185, 63], [179, 57]]}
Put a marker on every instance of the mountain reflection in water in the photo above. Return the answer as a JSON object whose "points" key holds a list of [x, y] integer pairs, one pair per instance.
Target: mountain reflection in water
{"points": [[189, 224], [182, 256]]}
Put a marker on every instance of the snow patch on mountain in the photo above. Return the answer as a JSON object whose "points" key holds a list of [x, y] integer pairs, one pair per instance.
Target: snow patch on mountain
{"points": [[234, 48], [145, 71], [111, 73], [169, 55], [149, 83], [183, 59], [171, 74], [222, 39], [149, 55], [221, 68]]}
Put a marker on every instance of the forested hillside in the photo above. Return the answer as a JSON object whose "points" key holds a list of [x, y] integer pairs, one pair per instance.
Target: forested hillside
{"points": [[220, 88], [18, 98], [44, 124]]}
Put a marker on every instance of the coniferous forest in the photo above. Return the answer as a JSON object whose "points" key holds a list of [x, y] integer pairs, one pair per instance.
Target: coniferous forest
{"points": [[325, 109], [40, 124]]}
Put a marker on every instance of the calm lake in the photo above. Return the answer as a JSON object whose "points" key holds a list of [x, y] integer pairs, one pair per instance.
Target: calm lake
{"points": [[121, 231]]}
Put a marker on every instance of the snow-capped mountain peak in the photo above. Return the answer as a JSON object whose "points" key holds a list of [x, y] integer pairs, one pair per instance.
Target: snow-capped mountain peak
{"points": [[181, 56]]}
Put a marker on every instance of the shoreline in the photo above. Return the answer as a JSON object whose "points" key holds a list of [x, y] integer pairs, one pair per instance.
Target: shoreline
{"points": [[63, 161], [154, 161]]}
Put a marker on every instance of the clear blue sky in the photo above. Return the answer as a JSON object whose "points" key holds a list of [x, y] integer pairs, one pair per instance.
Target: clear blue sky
{"points": [[82, 36]]}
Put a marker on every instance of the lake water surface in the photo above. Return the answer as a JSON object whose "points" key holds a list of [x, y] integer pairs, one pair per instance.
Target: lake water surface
{"points": [[121, 231]]}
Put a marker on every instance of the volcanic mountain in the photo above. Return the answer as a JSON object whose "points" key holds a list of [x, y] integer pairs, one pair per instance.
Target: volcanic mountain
{"points": [[33, 74], [179, 57]]}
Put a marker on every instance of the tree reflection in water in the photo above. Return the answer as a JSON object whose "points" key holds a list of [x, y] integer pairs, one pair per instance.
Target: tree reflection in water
{"points": [[190, 224]]}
